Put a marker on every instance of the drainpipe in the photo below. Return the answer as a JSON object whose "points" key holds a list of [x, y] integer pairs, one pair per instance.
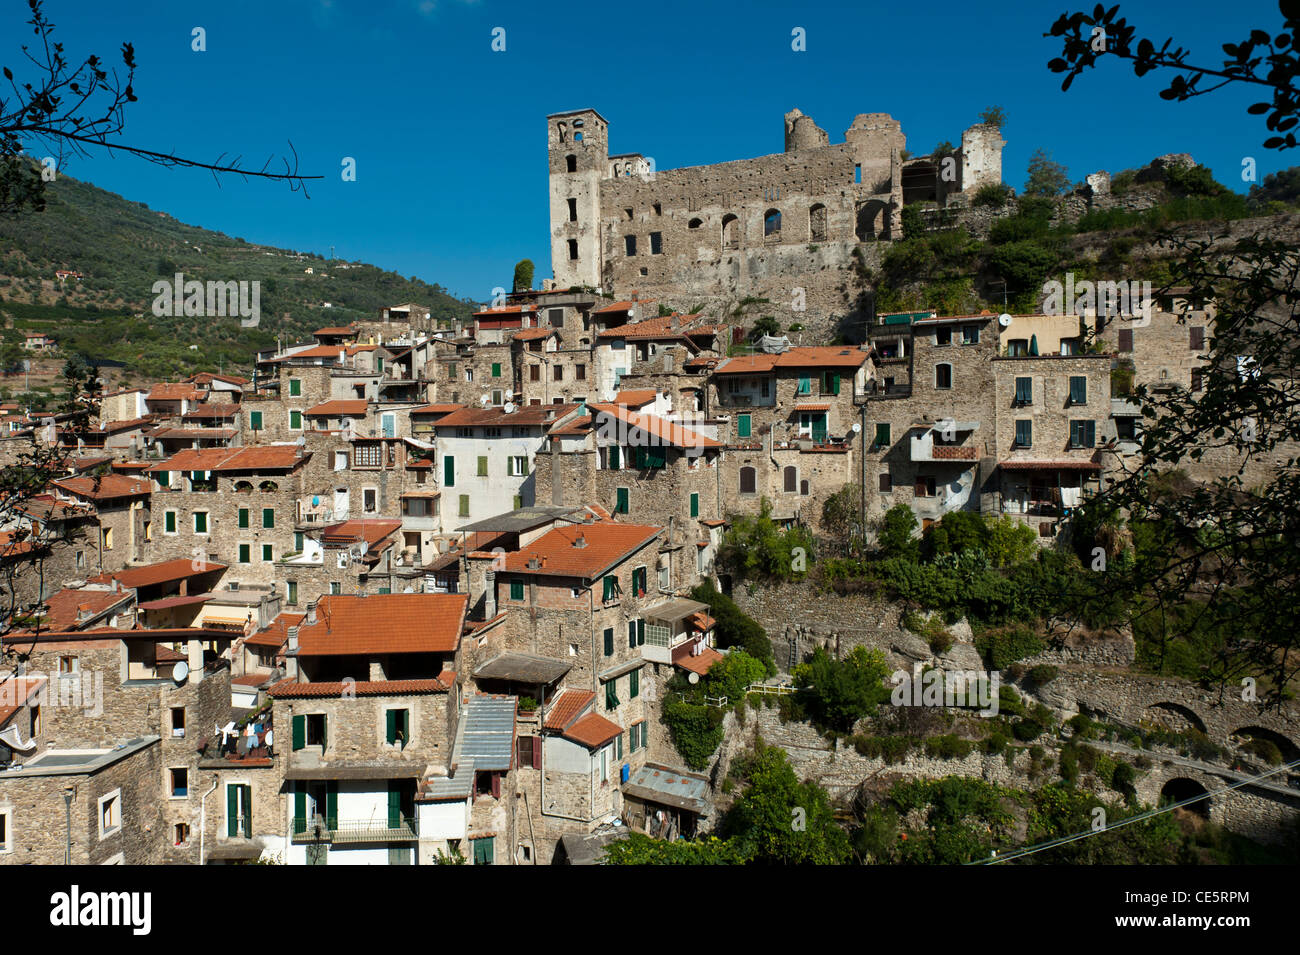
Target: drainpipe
{"points": [[67, 806], [203, 815], [862, 453]]}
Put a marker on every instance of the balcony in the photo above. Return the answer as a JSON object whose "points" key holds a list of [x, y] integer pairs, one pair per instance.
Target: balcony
{"points": [[670, 624], [342, 831], [925, 449]]}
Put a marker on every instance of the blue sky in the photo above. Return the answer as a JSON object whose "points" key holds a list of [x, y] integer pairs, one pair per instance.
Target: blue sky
{"points": [[449, 136]]}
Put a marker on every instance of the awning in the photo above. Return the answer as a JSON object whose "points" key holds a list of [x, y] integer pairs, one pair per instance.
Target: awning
{"points": [[673, 610], [523, 668], [813, 407], [167, 602]]}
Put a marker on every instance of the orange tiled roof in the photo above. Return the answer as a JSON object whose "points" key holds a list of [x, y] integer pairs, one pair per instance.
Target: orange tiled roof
{"points": [[666, 431], [812, 356], [661, 326], [15, 692], [273, 457], [336, 330], [337, 407], [174, 391], [159, 573], [606, 544], [592, 730], [566, 706], [636, 397], [384, 623], [64, 606], [576, 426], [528, 334], [360, 529], [277, 632], [696, 664], [106, 487], [291, 688], [622, 306], [527, 415], [206, 377], [437, 409]]}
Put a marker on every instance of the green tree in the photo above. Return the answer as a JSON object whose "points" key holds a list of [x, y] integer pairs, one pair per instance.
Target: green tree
{"points": [[733, 627], [837, 693], [993, 116], [896, 533], [523, 275], [767, 325], [1046, 178]]}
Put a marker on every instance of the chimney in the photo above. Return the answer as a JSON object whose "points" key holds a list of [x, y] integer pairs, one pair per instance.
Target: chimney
{"points": [[293, 639], [489, 595], [534, 563], [311, 614], [84, 613], [635, 296], [580, 541]]}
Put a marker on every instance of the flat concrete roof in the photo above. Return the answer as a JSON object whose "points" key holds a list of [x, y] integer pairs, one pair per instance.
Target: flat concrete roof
{"points": [[75, 762]]}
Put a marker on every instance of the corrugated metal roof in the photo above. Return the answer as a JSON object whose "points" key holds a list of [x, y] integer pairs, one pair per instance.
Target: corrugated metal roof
{"points": [[437, 788], [487, 733]]}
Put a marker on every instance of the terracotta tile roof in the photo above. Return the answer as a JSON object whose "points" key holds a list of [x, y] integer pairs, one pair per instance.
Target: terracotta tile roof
{"points": [[249, 679], [942, 452], [336, 330], [575, 427], [174, 391], [277, 632], [592, 730], [130, 424], [65, 606], [505, 310], [829, 356], [696, 664], [273, 457], [622, 306], [337, 407], [384, 623], [214, 410], [1063, 464], [814, 406], [529, 334], [748, 365], [667, 432], [206, 377], [106, 487], [86, 463], [636, 397], [167, 603], [657, 327], [437, 409], [291, 689], [370, 530], [606, 545], [495, 417], [165, 654], [11, 548], [318, 351], [15, 692], [172, 434], [566, 706], [162, 572]]}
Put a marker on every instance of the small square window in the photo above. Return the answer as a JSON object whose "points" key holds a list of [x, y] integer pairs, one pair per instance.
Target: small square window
{"points": [[179, 782]]}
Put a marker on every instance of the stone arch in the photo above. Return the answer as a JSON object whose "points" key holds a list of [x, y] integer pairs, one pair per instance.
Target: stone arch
{"points": [[1178, 788], [695, 223], [571, 163], [817, 222], [873, 219], [1288, 749], [1173, 716], [772, 222], [730, 231]]}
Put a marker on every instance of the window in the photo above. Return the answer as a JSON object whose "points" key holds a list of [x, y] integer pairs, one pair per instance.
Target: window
{"points": [[883, 434], [295, 420], [571, 163], [1024, 391], [292, 595], [612, 457], [448, 471], [573, 210], [335, 587], [886, 482], [110, 813], [943, 376], [239, 810], [268, 517], [573, 246], [580, 372], [267, 553], [618, 746], [805, 386], [463, 510], [169, 522], [483, 847], [629, 244], [772, 222], [1018, 347], [695, 505], [1078, 390], [743, 426], [1126, 339], [496, 369], [942, 336], [1196, 338], [451, 370], [634, 684], [397, 727], [180, 834], [295, 387], [656, 243], [1198, 380], [200, 522], [790, 479], [557, 373], [611, 694], [1024, 433], [244, 550], [639, 581], [970, 334], [516, 590], [69, 666], [924, 486], [830, 382], [179, 781], [1126, 428], [609, 641], [748, 481], [369, 500], [482, 465], [255, 420], [534, 372], [621, 500], [1083, 434], [310, 730], [517, 465], [610, 590], [107, 534], [5, 845]]}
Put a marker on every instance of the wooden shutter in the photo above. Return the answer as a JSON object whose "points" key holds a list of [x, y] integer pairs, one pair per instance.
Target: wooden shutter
{"points": [[631, 633], [886, 482], [609, 641], [299, 808], [918, 488], [448, 471], [390, 718], [743, 426], [246, 806], [622, 506], [232, 811], [1126, 339], [496, 785], [1196, 338], [791, 480], [640, 633], [695, 505], [613, 457], [747, 480], [299, 732], [634, 683], [331, 805], [394, 805]]}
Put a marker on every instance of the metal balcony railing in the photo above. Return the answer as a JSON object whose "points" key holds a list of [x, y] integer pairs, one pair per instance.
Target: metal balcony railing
{"points": [[320, 829]]}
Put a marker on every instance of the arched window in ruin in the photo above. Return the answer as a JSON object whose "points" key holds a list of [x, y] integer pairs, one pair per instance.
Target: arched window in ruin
{"points": [[571, 163], [695, 223], [562, 130], [243, 487], [730, 232], [268, 486], [772, 222], [871, 219], [817, 223]]}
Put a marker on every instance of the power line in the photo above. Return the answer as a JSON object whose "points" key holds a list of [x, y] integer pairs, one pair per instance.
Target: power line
{"points": [[1053, 843]]}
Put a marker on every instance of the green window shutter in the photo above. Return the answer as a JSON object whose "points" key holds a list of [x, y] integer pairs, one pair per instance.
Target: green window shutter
{"points": [[448, 471], [614, 463], [524, 472], [611, 695], [1090, 434], [299, 732], [496, 369], [297, 541], [331, 805], [232, 811], [169, 522], [295, 387], [243, 517], [295, 420], [324, 733], [268, 517], [640, 633], [835, 383], [379, 365], [164, 478], [200, 522], [622, 506], [618, 749], [246, 805], [518, 501], [390, 718], [292, 587], [482, 466], [609, 588], [882, 434], [243, 554], [609, 641], [634, 683], [1024, 433], [267, 554], [255, 420], [695, 505], [464, 506], [299, 808], [743, 426], [516, 590], [394, 805], [1078, 390], [805, 385], [631, 633]]}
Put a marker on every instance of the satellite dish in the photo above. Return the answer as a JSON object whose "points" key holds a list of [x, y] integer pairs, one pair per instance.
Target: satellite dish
{"points": [[1004, 319], [180, 671], [856, 427], [693, 677], [508, 407], [484, 400]]}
